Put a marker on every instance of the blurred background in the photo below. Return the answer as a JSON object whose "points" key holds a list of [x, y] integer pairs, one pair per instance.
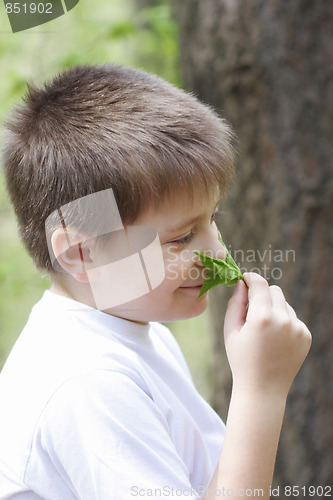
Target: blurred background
{"points": [[267, 67]]}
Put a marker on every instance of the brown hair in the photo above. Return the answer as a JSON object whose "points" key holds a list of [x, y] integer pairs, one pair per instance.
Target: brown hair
{"points": [[98, 127]]}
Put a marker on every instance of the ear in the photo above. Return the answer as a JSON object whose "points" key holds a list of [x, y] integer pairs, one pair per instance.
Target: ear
{"points": [[72, 252]]}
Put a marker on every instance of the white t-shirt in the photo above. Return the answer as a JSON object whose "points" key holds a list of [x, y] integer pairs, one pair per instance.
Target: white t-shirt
{"points": [[95, 407]]}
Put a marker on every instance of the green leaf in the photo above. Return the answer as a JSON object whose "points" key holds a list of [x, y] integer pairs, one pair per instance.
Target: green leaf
{"points": [[221, 272]]}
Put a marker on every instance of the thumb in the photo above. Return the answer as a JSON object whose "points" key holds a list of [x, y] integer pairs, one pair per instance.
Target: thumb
{"points": [[237, 309]]}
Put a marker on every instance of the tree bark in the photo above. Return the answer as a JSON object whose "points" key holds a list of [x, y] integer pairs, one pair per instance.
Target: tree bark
{"points": [[267, 67]]}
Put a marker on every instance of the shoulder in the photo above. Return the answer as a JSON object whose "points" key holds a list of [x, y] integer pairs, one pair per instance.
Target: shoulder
{"points": [[100, 386], [98, 406], [165, 336], [169, 341]]}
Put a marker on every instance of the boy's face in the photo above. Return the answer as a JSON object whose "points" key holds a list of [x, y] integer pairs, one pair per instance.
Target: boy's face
{"points": [[183, 226]]}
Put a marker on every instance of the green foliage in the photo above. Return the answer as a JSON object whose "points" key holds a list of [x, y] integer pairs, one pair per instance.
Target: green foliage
{"points": [[158, 37], [93, 32], [221, 272]]}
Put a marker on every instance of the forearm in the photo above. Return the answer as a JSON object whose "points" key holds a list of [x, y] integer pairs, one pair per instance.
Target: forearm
{"points": [[250, 445]]}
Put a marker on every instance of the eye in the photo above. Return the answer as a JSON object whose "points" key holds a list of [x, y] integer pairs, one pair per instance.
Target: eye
{"points": [[216, 216], [185, 239], [188, 237]]}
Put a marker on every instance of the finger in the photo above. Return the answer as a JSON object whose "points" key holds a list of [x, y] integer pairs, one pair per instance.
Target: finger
{"points": [[259, 294], [278, 299], [295, 318], [236, 310], [291, 312]]}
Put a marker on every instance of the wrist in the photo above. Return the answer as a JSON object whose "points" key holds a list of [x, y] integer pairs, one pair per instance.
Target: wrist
{"points": [[250, 444], [259, 397]]}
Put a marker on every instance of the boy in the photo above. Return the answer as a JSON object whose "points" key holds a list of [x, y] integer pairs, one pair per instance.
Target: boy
{"points": [[97, 402]]}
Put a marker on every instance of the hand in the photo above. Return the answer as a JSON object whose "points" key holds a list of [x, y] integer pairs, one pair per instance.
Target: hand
{"points": [[266, 343]]}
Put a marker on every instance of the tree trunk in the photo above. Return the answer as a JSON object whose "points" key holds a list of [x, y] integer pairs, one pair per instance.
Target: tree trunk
{"points": [[266, 66]]}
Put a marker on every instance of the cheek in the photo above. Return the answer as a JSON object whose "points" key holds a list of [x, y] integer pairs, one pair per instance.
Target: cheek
{"points": [[177, 265]]}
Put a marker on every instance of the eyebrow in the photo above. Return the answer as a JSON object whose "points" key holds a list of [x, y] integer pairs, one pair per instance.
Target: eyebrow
{"points": [[184, 224], [188, 222]]}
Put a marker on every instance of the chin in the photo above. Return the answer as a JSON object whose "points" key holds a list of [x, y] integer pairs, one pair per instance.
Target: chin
{"points": [[195, 308], [201, 307]]}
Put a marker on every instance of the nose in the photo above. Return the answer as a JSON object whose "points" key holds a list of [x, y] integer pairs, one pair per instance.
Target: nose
{"points": [[213, 248], [221, 252], [218, 250]]}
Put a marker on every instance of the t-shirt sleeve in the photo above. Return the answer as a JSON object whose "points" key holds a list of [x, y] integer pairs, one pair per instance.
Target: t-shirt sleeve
{"points": [[102, 436]]}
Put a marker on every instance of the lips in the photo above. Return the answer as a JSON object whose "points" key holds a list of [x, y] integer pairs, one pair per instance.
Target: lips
{"points": [[192, 286]]}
